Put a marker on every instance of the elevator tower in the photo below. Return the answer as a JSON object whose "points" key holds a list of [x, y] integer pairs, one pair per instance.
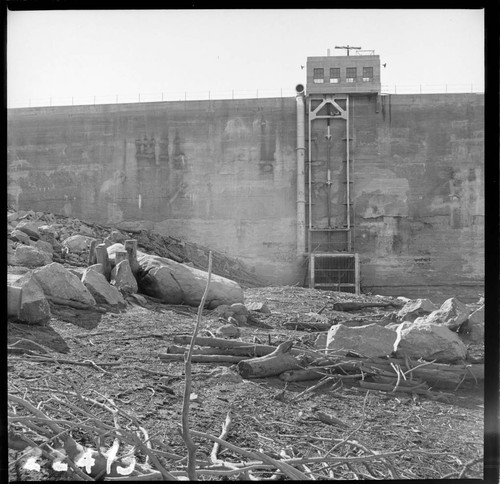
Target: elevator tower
{"points": [[333, 83]]}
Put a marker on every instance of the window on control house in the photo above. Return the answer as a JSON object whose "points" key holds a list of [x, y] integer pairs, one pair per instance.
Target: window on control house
{"points": [[318, 76], [350, 74]]}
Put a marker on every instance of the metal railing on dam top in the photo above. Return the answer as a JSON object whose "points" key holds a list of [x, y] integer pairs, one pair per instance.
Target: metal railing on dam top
{"points": [[219, 95]]}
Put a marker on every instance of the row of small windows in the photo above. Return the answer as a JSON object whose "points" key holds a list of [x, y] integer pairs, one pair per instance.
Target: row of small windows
{"points": [[350, 75]]}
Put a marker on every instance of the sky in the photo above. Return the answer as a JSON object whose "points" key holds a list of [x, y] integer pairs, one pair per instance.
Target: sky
{"points": [[61, 54]]}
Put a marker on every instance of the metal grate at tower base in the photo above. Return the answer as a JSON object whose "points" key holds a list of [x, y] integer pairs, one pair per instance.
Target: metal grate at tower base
{"points": [[334, 272]]}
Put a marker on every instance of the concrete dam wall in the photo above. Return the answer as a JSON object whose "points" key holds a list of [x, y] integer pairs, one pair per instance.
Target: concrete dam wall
{"points": [[223, 174]]}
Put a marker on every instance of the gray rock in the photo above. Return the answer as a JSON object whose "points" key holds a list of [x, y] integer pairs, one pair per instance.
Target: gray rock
{"points": [[116, 237], [430, 341], [101, 290], [20, 236], [370, 340], [45, 246], [11, 216], [451, 314], [32, 256], [414, 309], [123, 279], [228, 331], [86, 230], [29, 228], [259, 307], [35, 308], [56, 281], [77, 243], [176, 283]]}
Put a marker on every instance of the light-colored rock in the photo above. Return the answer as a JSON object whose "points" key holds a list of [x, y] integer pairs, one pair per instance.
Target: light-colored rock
{"points": [[14, 294], [123, 279], [98, 268], [11, 216], [237, 311], [77, 243], [451, 314], [430, 341], [228, 331], [35, 308], [416, 308], [58, 282], [473, 328], [176, 283], [369, 340], [32, 256], [259, 307], [29, 228], [45, 246], [20, 236], [101, 290]]}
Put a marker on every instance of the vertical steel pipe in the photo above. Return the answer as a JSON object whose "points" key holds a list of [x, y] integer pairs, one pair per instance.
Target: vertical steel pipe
{"points": [[301, 148]]}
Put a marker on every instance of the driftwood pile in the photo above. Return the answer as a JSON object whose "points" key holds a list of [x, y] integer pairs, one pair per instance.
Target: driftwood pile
{"points": [[300, 364]]}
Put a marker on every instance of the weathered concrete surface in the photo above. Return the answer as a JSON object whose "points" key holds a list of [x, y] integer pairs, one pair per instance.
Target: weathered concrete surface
{"points": [[223, 174]]}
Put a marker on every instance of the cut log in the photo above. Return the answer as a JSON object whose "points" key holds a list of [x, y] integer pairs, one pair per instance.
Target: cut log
{"points": [[275, 363], [180, 350], [307, 326], [354, 306], [131, 249], [203, 358], [92, 255], [101, 254]]}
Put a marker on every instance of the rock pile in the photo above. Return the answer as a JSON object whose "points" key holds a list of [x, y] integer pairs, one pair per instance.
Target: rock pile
{"points": [[422, 330], [50, 249]]}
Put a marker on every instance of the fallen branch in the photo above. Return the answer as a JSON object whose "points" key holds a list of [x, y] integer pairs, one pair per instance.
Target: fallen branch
{"points": [[355, 306], [203, 358], [307, 326], [188, 357], [256, 350], [275, 363], [222, 436]]}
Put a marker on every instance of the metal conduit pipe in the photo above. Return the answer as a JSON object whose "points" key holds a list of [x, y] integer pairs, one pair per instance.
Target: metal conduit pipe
{"points": [[301, 195]]}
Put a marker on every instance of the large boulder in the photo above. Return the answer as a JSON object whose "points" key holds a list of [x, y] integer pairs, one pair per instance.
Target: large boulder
{"points": [[32, 256], [77, 243], [45, 246], [58, 282], [35, 308], [123, 279], [20, 236], [370, 340], [451, 314], [176, 283], [474, 327], [29, 228], [416, 308], [430, 341], [101, 290]]}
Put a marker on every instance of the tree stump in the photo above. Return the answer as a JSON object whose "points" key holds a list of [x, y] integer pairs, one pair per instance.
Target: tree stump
{"points": [[101, 253], [131, 248]]}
